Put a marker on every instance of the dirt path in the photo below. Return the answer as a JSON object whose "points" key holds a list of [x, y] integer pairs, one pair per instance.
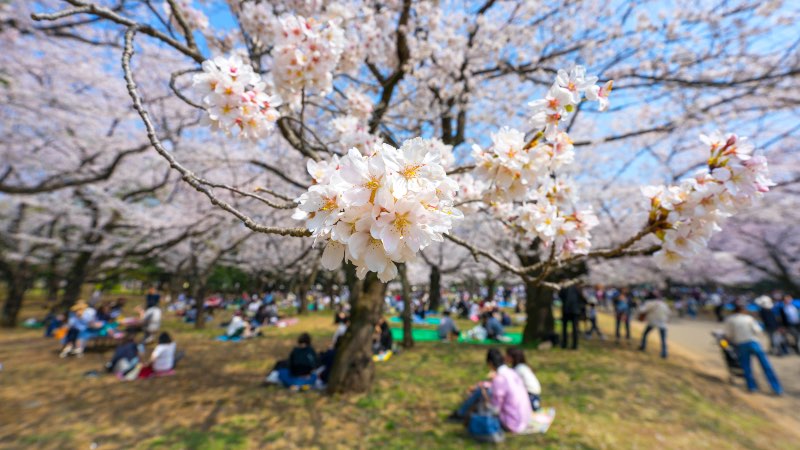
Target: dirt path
{"points": [[693, 338]]}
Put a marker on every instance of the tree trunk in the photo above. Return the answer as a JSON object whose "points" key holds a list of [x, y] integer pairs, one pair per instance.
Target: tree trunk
{"points": [[408, 338], [305, 286], [491, 288], [52, 280], [538, 306], [199, 294], [16, 286], [435, 290], [353, 370], [75, 279]]}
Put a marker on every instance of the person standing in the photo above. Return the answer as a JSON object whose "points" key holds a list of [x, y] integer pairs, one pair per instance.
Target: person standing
{"points": [[656, 314], [771, 325], [592, 314], [790, 318], [622, 315], [152, 298], [572, 301], [742, 330]]}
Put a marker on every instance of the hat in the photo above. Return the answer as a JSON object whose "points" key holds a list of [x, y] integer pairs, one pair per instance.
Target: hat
{"points": [[764, 302], [80, 305]]}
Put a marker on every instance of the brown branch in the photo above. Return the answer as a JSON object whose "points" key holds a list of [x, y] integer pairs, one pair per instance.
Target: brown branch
{"points": [[187, 175], [99, 11]]}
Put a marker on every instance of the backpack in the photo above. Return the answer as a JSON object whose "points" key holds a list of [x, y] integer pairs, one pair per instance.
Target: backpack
{"points": [[484, 424]]}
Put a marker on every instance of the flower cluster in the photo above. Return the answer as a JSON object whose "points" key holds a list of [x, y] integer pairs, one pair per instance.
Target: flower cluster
{"points": [[512, 166], [521, 176], [550, 215], [236, 98], [378, 210], [684, 217], [563, 95], [306, 54]]}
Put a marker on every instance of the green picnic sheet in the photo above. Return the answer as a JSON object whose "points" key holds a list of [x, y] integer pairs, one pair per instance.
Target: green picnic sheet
{"points": [[418, 321], [429, 335]]}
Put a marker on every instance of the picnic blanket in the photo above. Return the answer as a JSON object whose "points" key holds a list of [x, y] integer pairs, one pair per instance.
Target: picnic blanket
{"points": [[429, 335], [540, 421], [418, 320], [226, 338]]}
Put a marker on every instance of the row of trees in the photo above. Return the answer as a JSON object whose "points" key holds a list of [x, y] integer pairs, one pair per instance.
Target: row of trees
{"points": [[102, 184]]}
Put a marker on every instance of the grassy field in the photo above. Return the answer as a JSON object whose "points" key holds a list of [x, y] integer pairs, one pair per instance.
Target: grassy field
{"points": [[606, 397]]}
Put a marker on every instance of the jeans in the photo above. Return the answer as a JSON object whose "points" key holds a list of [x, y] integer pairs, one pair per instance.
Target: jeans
{"points": [[288, 380], [623, 318], [663, 332], [566, 320], [593, 321], [471, 401], [747, 349], [536, 402]]}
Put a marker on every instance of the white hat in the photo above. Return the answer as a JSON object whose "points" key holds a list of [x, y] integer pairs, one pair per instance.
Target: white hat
{"points": [[764, 302]]}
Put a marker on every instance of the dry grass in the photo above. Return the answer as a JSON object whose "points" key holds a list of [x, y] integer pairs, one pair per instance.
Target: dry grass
{"points": [[607, 397]]}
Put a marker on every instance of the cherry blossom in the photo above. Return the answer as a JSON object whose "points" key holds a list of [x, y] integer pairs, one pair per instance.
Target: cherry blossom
{"points": [[236, 98], [381, 209], [684, 217]]}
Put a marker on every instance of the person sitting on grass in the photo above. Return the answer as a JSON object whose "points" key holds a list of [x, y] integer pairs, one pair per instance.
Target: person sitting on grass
{"points": [[298, 370], [126, 356], [162, 359], [516, 359], [82, 324], [494, 329], [382, 341], [447, 328], [506, 392], [238, 327]]}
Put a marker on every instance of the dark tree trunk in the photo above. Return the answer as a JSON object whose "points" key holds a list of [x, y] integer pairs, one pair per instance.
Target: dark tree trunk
{"points": [[435, 290], [52, 279], [539, 308], [491, 288], [199, 294], [16, 285], [75, 279], [353, 369], [305, 286], [408, 338]]}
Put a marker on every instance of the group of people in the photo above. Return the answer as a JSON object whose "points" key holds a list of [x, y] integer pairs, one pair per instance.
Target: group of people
{"points": [[512, 390], [84, 322], [575, 306]]}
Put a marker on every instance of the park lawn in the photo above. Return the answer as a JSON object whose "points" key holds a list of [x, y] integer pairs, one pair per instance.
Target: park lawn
{"points": [[605, 396]]}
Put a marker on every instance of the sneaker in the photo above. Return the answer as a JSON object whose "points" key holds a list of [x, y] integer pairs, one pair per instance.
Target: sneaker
{"points": [[272, 378], [454, 417]]}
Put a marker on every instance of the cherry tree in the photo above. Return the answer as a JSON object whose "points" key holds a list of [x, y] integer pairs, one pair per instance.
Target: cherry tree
{"points": [[393, 107]]}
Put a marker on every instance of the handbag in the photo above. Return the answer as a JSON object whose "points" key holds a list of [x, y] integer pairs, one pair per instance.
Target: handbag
{"points": [[484, 424]]}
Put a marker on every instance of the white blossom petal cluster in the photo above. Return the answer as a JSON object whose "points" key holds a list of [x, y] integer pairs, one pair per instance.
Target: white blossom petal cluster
{"points": [[236, 98], [512, 167], [550, 215], [562, 97], [305, 55], [378, 210], [523, 186], [685, 216]]}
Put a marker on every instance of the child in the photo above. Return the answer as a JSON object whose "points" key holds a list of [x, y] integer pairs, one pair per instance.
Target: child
{"points": [[592, 315]]}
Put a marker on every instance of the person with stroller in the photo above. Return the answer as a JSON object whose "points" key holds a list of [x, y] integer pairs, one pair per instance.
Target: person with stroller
{"points": [[742, 330]]}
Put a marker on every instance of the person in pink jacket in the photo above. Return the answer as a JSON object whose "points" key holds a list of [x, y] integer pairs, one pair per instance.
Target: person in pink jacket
{"points": [[507, 393]]}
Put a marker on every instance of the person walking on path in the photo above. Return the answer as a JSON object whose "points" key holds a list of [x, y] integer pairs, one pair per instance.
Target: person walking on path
{"points": [[742, 330], [656, 313], [571, 304]]}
